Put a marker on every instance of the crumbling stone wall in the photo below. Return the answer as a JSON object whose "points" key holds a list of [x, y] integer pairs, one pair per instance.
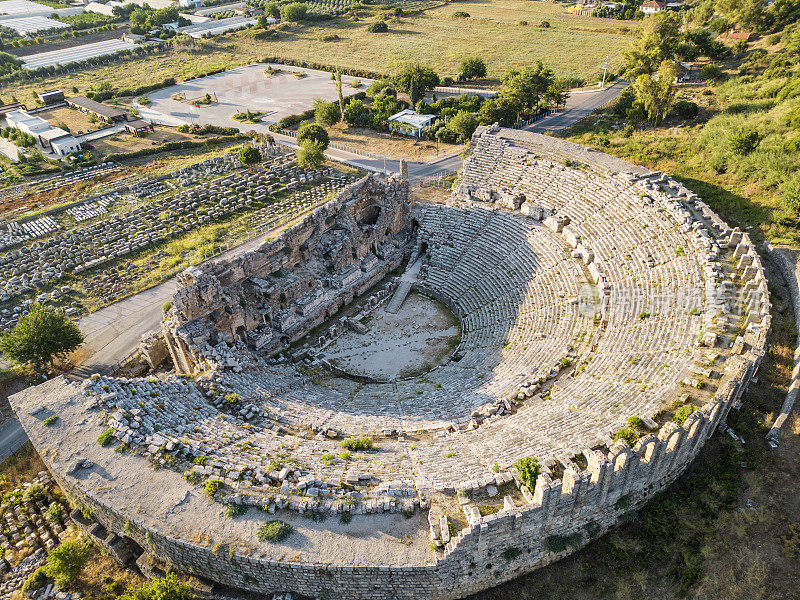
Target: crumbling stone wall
{"points": [[275, 294]]}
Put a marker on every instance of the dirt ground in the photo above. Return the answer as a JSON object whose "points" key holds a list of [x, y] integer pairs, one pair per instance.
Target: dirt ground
{"points": [[413, 341], [125, 142], [77, 122], [384, 143]]}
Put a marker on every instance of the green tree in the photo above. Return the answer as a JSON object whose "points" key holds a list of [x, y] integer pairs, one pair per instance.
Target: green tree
{"points": [[41, 336], [250, 156], [383, 107], [66, 562], [338, 78], [294, 11], [378, 27], [472, 67], [313, 132], [748, 14], [528, 86], [463, 125], [500, 109], [161, 588], [558, 92], [327, 113], [656, 43], [311, 154], [272, 10], [656, 93], [415, 79], [356, 114]]}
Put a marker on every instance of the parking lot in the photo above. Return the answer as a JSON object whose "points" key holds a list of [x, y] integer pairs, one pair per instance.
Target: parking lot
{"points": [[246, 88]]}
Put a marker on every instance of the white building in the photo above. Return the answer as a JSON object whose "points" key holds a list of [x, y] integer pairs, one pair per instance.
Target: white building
{"points": [[409, 122], [51, 138], [190, 3], [652, 7]]}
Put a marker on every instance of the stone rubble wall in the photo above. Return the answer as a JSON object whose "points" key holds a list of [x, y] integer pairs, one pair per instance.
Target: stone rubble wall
{"points": [[323, 253]]}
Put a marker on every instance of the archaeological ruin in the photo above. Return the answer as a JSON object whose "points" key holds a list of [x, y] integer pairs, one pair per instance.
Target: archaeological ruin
{"points": [[594, 323]]}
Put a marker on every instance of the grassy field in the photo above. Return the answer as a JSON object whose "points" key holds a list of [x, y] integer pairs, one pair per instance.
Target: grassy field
{"points": [[572, 45]]}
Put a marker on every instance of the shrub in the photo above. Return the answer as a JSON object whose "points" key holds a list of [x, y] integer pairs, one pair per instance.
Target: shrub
{"points": [[528, 469], [559, 543], [143, 100], [51, 420], [683, 413], [236, 510], [460, 14], [274, 531], [36, 580], [627, 434], [685, 109], [66, 562], [511, 553], [166, 306], [636, 422], [544, 24], [791, 543], [106, 438], [355, 444], [212, 487], [378, 27], [33, 493], [345, 518], [200, 460], [54, 513], [744, 141], [711, 73], [161, 588], [232, 399]]}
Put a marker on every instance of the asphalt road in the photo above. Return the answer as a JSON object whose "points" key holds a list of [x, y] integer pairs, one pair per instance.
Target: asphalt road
{"points": [[12, 438], [579, 105], [113, 332]]}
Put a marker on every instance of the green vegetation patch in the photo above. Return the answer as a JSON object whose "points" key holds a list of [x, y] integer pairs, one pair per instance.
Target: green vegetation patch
{"points": [[274, 532]]}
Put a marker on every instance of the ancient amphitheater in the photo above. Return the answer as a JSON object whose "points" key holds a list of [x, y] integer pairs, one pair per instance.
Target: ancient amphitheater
{"points": [[570, 307]]}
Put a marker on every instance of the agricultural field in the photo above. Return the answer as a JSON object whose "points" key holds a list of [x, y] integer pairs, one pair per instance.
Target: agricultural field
{"points": [[572, 45]]}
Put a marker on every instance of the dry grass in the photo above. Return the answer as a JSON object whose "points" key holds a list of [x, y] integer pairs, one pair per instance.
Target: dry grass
{"points": [[383, 143], [77, 122], [125, 142], [22, 466]]}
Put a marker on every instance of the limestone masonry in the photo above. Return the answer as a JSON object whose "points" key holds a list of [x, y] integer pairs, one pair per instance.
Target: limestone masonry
{"points": [[609, 321]]}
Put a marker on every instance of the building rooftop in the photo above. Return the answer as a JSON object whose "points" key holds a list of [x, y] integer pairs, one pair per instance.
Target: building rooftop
{"points": [[411, 117]]}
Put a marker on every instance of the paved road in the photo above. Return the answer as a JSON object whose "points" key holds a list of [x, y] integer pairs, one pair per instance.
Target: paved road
{"points": [[579, 105], [12, 438]]}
